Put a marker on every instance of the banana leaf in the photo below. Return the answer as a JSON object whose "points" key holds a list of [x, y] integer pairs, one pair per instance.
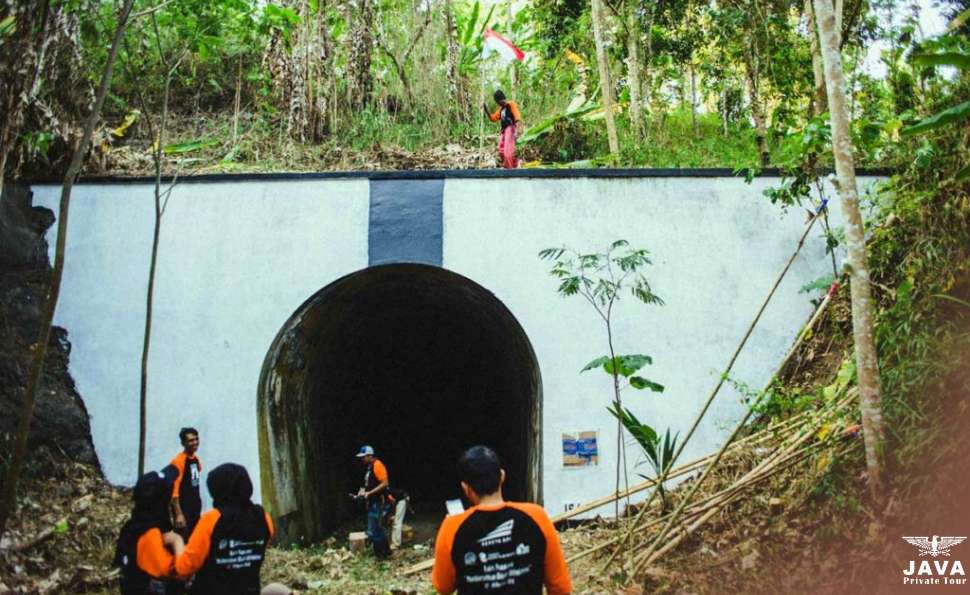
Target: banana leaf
{"points": [[949, 116]]}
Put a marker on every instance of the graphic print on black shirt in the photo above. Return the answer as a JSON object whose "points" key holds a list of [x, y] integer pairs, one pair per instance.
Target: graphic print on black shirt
{"points": [[190, 499], [235, 556], [499, 551]]}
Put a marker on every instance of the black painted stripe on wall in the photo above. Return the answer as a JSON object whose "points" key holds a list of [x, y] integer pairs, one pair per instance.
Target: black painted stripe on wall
{"points": [[405, 223]]}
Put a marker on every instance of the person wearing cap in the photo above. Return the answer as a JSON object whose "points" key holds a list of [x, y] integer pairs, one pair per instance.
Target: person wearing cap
{"points": [[142, 550], [228, 545], [186, 499], [374, 494], [511, 119], [496, 546]]}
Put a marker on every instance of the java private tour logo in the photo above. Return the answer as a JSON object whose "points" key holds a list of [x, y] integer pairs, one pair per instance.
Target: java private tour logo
{"points": [[942, 569]]}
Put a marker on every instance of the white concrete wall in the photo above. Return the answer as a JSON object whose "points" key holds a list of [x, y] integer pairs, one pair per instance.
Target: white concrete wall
{"points": [[235, 261], [238, 258], [717, 246]]}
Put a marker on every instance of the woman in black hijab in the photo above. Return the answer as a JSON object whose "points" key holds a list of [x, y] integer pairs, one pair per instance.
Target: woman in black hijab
{"points": [[142, 551], [228, 545]]}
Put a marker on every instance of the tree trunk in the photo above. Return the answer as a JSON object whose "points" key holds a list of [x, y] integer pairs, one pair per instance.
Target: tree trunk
{"points": [[21, 71], [359, 60], [322, 74], [605, 83], [455, 86], [152, 265], [514, 65], [862, 324], [647, 99], [8, 501], [693, 96], [633, 72], [237, 101], [724, 110], [757, 109], [400, 65], [818, 97]]}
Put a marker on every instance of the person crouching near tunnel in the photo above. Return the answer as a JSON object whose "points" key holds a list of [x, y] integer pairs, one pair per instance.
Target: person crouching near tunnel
{"points": [[142, 552], [374, 493], [228, 545], [496, 546]]}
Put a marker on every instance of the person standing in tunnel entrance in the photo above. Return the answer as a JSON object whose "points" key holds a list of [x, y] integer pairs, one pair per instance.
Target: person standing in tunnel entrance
{"points": [[374, 493], [496, 546], [186, 501]]}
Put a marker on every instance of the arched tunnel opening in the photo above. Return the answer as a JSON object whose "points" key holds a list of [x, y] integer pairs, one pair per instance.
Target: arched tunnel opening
{"points": [[415, 360]]}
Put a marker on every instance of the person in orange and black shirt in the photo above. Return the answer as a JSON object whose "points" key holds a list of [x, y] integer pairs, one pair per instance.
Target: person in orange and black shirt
{"points": [[508, 114], [186, 499], [228, 545], [496, 546], [147, 565], [375, 494]]}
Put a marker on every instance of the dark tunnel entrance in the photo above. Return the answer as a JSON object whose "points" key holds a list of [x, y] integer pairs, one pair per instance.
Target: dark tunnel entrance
{"points": [[415, 360]]}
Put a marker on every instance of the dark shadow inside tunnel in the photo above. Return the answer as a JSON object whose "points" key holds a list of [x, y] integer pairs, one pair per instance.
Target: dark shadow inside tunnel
{"points": [[414, 360]]}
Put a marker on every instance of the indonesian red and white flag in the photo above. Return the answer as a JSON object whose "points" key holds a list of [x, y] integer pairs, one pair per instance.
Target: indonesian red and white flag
{"points": [[505, 48]]}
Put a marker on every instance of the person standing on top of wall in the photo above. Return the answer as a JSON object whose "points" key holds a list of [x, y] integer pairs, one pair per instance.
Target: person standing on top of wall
{"points": [[186, 499], [508, 114], [147, 565], [496, 546], [374, 494], [228, 546]]}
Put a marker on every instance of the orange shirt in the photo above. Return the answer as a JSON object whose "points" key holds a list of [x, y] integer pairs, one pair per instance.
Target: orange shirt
{"points": [[197, 549], [179, 463], [476, 557], [379, 471], [152, 555], [497, 114]]}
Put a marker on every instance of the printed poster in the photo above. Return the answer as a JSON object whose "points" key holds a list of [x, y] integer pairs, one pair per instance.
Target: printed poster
{"points": [[579, 449]]}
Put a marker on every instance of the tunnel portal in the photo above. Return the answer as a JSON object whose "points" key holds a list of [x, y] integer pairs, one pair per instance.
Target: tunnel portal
{"points": [[418, 362]]}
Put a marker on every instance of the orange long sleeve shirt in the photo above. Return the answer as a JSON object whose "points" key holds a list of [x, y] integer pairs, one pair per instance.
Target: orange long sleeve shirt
{"points": [[497, 114], [153, 557]]}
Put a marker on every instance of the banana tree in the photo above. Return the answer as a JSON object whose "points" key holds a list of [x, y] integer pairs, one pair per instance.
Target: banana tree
{"points": [[471, 28], [957, 57]]}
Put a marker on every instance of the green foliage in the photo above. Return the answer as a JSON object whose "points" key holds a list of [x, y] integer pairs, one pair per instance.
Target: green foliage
{"points": [[229, 40], [821, 284], [658, 450], [189, 146], [471, 28], [947, 117], [601, 277], [8, 25], [626, 366]]}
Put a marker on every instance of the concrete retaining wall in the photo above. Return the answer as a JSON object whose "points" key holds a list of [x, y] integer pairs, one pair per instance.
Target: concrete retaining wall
{"points": [[239, 256]]}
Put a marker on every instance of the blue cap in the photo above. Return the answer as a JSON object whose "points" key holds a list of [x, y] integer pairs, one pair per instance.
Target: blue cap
{"points": [[365, 450]]}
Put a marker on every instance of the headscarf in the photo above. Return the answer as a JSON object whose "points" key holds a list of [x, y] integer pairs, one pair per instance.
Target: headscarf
{"points": [[231, 490], [151, 495]]}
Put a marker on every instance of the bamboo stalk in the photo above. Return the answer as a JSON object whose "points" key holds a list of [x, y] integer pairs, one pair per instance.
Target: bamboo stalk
{"points": [[714, 510], [791, 352], [740, 485], [645, 557]]}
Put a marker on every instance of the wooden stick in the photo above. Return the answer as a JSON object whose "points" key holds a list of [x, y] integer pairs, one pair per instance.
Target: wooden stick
{"points": [[700, 522], [791, 352], [702, 505], [646, 556]]}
